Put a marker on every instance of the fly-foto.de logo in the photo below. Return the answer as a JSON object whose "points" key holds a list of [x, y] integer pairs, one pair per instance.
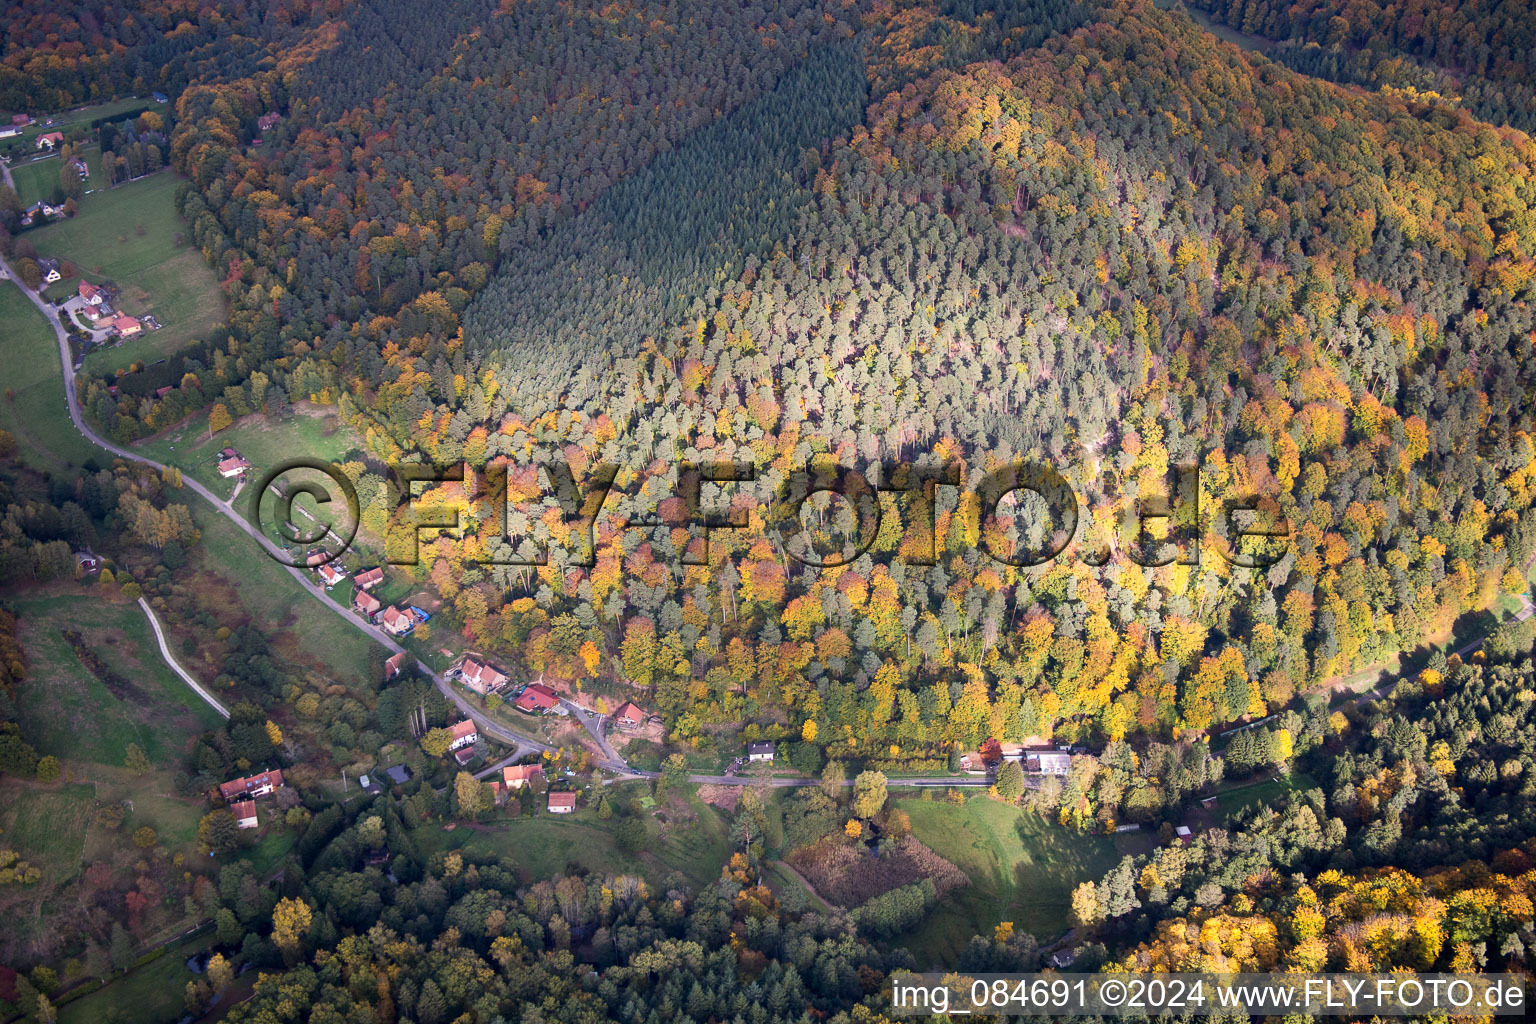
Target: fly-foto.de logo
{"points": [[822, 515]]}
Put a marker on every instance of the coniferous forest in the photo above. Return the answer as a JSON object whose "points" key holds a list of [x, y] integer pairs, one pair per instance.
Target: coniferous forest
{"points": [[581, 249]]}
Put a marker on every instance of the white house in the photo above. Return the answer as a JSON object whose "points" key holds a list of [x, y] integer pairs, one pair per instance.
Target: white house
{"points": [[762, 751], [462, 735]]}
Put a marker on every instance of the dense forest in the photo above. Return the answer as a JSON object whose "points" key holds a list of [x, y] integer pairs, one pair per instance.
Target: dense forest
{"points": [[1474, 54], [892, 240], [1083, 254]]}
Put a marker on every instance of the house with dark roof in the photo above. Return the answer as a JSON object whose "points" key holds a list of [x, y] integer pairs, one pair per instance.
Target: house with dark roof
{"points": [[51, 268], [760, 751], [399, 774]]}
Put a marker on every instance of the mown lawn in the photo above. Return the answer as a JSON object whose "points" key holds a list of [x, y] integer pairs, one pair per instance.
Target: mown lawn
{"points": [[1241, 796], [32, 406], [67, 711], [1022, 869], [153, 992], [128, 235], [36, 181], [310, 433], [544, 844]]}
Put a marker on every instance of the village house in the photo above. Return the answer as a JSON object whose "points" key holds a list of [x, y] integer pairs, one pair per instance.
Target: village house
{"points": [[366, 603], [537, 699], [234, 465], [126, 326], [520, 775], [79, 167], [463, 734], [266, 122], [252, 786], [480, 677], [87, 561], [972, 763], [51, 269], [9, 131], [629, 716], [93, 297], [50, 140], [562, 803], [1048, 762], [761, 751], [369, 578], [1184, 835], [244, 812], [397, 621], [392, 666], [330, 574], [21, 120]]}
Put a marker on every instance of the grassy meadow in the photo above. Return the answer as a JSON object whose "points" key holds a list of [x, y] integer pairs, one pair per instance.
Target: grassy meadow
{"points": [[32, 404], [1021, 869], [129, 235]]}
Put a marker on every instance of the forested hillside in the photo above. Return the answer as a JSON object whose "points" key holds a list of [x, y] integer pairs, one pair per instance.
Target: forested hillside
{"points": [[876, 238], [1475, 54], [1126, 249]]}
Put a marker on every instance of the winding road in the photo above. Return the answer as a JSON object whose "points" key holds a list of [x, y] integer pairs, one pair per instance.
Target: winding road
{"points": [[165, 652], [521, 745]]}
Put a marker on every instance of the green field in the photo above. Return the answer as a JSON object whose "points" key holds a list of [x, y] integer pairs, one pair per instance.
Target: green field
{"points": [[544, 844], [155, 991], [128, 235], [310, 433], [1230, 801], [32, 405], [75, 716], [298, 628], [1021, 868]]}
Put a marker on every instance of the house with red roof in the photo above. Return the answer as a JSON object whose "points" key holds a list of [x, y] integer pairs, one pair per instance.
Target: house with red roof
{"points": [[233, 466], [366, 603], [370, 578], [562, 803], [464, 734], [50, 140], [520, 775], [536, 699], [629, 715], [252, 786], [330, 574], [393, 665], [397, 621], [244, 812], [126, 326], [481, 677], [90, 294]]}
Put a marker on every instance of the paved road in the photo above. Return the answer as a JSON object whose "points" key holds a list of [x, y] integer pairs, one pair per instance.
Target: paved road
{"points": [[485, 725], [524, 745], [165, 652]]}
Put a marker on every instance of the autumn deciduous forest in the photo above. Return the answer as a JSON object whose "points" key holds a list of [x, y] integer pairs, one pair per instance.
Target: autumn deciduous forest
{"points": [[953, 234]]}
